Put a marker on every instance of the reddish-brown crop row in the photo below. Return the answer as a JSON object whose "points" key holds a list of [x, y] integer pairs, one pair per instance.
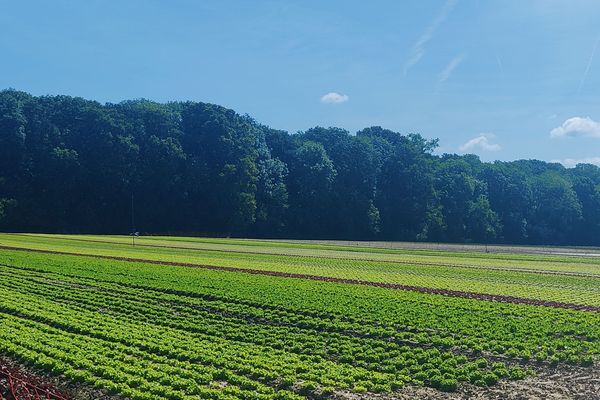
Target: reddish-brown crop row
{"points": [[17, 384]]}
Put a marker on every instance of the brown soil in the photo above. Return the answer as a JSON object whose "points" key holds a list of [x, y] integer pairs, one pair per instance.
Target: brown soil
{"points": [[443, 292], [561, 383]]}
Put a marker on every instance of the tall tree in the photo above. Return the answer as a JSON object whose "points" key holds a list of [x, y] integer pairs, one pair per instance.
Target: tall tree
{"points": [[312, 176], [556, 209]]}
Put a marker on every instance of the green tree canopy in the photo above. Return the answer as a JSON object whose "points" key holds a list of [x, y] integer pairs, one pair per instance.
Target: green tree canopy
{"points": [[72, 165]]}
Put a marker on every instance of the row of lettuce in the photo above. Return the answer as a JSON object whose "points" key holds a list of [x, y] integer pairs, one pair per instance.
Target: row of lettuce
{"points": [[532, 280], [154, 331]]}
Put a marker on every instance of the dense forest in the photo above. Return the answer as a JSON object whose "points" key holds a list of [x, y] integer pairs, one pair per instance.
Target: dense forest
{"points": [[74, 165]]}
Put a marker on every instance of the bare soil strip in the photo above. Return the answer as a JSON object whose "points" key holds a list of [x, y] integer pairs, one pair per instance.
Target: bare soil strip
{"points": [[419, 289], [555, 383], [400, 262]]}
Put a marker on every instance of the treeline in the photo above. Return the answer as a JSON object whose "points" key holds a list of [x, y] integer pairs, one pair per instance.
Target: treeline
{"points": [[72, 165]]}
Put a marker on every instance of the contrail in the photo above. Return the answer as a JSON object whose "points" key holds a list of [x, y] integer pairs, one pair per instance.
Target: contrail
{"points": [[499, 61], [419, 47], [455, 62], [589, 64]]}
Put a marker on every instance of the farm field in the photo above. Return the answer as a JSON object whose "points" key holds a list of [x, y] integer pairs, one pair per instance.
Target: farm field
{"points": [[192, 318]]}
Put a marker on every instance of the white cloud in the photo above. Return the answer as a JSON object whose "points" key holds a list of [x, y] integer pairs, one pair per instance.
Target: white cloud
{"points": [[481, 143], [447, 72], [334, 98], [418, 49], [577, 126], [572, 162]]}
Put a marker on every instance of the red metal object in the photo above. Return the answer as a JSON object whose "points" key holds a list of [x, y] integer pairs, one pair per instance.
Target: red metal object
{"points": [[20, 386]]}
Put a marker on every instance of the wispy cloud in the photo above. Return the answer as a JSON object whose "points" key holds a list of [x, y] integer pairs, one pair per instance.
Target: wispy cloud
{"points": [[500, 65], [483, 142], [447, 72], [334, 98], [589, 64], [572, 162], [418, 49], [577, 126]]}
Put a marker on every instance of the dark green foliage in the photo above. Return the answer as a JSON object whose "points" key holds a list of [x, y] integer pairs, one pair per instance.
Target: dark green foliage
{"points": [[71, 165]]}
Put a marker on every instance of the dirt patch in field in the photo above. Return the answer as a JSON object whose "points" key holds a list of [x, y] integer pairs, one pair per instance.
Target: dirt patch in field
{"points": [[561, 383], [419, 289]]}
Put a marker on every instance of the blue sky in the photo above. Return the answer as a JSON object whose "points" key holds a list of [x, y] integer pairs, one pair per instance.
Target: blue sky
{"points": [[505, 79]]}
